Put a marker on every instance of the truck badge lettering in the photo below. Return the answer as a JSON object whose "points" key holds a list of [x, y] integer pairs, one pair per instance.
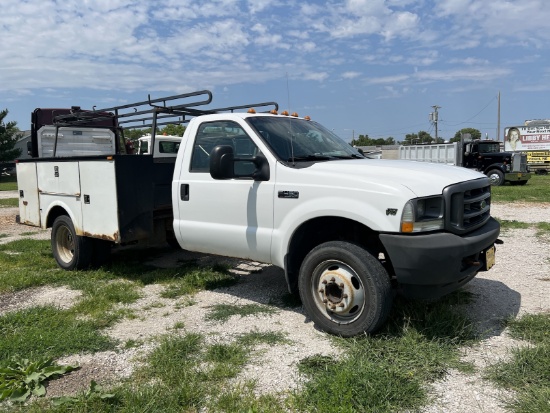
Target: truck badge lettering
{"points": [[289, 194], [391, 211]]}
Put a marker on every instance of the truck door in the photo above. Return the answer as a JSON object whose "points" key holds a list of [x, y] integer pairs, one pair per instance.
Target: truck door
{"points": [[227, 217]]}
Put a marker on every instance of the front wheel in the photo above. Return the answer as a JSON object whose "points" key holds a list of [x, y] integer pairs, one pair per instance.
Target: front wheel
{"points": [[344, 289], [72, 252], [496, 177]]}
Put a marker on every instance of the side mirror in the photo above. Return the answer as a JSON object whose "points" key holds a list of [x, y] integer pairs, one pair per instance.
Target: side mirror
{"points": [[224, 165], [221, 162]]}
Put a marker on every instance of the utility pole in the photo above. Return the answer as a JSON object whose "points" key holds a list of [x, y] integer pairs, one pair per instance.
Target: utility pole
{"points": [[498, 118], [434, 118]]}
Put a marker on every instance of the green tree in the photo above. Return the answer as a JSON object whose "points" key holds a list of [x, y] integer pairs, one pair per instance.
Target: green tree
{"points": [[135, 134], [175, 130], [364, 140], [476, 134], [418, 138], [8, 139]]}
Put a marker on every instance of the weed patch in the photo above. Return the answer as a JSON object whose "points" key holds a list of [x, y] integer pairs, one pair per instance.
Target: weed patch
{"points": [[9, 202], [48, 332], [22, 378], [513, 224], [527, 373], [193, 279], [223, 312], [387, 372]]}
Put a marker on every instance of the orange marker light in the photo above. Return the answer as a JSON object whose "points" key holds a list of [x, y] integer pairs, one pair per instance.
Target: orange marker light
{"points": [[407, 227], [251, 110], [294, 114]]}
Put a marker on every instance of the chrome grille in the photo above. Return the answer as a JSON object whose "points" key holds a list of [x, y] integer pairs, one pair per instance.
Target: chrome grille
{"points": [[467, 205]]}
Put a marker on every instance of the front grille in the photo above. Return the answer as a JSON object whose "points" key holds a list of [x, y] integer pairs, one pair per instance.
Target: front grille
{"points": [[467, 205]]}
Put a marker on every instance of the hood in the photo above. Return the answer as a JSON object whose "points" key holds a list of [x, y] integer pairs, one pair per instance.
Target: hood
{"points": [[422, 178]]}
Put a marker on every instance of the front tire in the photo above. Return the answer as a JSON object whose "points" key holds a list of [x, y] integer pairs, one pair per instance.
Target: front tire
{"points": [[496, 177], [344, 289], [72, 252]]}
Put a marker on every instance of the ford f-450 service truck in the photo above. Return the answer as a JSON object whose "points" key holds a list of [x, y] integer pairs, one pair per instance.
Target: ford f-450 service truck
{"points": [[347, 231]]}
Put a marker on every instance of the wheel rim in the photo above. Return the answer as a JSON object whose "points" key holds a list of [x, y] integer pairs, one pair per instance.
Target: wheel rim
{"points": [[65, 244], [338, 292], [494, 178]]}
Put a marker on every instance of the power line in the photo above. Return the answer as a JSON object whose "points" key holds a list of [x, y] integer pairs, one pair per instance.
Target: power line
{"points": [[468, 120]]}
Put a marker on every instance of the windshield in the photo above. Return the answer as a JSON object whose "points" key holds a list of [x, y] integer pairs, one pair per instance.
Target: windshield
{"points": [[489, 147], [294, 139]]}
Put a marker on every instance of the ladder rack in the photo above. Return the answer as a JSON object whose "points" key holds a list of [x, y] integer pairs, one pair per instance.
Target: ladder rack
{"points": [[175, 109]]}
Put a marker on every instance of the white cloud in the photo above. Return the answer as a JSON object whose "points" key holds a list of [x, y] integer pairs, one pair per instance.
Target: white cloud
{"points": [[403, 24], [350, 75]]}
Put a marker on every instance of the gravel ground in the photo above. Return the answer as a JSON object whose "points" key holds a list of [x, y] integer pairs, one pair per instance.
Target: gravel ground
{"points": [[519, 283]]}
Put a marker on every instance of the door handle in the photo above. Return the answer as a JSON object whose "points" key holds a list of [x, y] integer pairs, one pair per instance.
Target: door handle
{"points": [[184, 192]]}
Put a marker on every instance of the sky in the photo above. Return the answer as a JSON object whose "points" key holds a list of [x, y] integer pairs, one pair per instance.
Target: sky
{"points": [[359, 67]]}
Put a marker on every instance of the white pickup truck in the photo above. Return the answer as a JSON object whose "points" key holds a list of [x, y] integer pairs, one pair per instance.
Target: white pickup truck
{"points": [[166, 146], [347, 231]]}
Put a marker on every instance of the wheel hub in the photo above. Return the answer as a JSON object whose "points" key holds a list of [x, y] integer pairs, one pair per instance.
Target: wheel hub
{"points": [[340, 292]]}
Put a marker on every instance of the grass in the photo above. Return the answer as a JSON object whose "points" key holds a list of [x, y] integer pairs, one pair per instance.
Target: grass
{"points": [[419, 344], [388, 372], [527, 372], [223, 312], [537, 189], [8, 183], [9, 202], [45, 331], [543, 228], [513, 224]]}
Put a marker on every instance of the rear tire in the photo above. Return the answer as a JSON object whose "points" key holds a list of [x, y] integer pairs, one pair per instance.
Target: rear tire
{"points": [[344, 289], [496, 177], [72, 252]]}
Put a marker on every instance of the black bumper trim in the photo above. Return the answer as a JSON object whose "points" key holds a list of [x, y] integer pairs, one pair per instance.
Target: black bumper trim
{"points": [[439, 261]]}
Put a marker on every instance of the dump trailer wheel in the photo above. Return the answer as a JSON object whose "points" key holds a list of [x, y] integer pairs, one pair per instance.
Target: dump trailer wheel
{"points": [[344, 289], [72, 252], [496, 177]]}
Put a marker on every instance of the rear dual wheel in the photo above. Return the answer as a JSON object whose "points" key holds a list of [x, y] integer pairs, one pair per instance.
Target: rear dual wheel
{"points": [[74, 252], [344, 289]]}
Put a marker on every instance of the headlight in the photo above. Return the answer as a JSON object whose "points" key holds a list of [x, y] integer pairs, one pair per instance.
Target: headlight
{"points": [[422, 214]]}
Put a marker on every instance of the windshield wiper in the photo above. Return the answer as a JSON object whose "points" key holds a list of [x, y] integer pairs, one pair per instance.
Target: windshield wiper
{"points": [[352, 156]]}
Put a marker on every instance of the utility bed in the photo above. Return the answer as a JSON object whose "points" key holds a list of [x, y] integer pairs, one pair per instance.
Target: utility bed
{"points": [[116, 198]]}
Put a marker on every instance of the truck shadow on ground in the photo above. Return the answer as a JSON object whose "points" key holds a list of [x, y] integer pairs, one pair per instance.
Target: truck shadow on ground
{"points": [[493, 303], [487, 304]]}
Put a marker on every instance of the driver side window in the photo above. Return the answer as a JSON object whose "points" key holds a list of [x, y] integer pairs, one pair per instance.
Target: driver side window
{"points": [[211, 134]]}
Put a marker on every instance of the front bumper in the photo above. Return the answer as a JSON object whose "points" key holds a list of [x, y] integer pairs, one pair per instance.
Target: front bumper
{"points": [[432, 265], [517, 176]]}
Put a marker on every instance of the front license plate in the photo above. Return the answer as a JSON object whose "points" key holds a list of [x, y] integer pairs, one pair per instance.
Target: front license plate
{"points": [[489, 258]]}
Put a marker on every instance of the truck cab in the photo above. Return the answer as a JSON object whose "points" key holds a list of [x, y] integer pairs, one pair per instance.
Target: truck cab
{"points": [[166, 146]]}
